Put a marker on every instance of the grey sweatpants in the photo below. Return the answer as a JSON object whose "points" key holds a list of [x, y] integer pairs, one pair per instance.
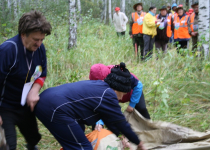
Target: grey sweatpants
{"points": [[148, 44]]}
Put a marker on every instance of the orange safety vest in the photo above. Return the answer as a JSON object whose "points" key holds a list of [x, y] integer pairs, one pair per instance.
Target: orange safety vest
{"points": [[181, 28], [192, 17], [168, 30], [137, 28]]}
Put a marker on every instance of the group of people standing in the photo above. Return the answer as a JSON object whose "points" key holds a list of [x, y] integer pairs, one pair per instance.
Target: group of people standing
{"points": [[172, 24]]}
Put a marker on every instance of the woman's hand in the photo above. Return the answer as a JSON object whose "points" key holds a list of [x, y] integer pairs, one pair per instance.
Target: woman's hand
{"points": [[1, 122], [129, 109], [126, 143], [33, 96], [141, 146], [98, 127]]}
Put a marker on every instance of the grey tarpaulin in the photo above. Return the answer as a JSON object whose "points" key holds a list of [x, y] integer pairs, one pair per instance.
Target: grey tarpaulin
{"points": [[158, 135]]}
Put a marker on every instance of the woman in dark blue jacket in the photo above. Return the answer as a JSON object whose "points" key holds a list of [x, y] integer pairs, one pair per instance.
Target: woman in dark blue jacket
{"points": [[65, 109]]}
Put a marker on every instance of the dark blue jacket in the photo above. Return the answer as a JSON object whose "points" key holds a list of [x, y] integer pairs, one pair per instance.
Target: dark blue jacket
{"points": [[84, 102], [14, 69]]}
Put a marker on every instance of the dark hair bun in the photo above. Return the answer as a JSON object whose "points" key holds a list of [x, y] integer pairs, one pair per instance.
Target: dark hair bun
{"points": [[122, 65], [119, 78]]}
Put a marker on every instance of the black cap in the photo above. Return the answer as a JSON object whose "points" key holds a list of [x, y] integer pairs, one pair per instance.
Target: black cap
{"points": [[163, 8], [119, 79], [194, 4]]}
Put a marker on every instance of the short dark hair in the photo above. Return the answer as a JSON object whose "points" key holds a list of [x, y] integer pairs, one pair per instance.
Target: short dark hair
{"points": [[32, 22], [151, 8]]}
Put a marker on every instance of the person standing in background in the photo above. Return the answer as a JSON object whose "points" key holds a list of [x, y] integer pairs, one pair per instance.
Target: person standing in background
{"points": [[173, 8], [181, 35], [164, 31], [193, 26], [136, 29], [149, 31], [120, 20], [173, 13]]}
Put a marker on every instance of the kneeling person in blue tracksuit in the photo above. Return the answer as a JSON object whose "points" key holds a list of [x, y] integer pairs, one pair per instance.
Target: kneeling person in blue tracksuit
{"points": [[65, 109]]}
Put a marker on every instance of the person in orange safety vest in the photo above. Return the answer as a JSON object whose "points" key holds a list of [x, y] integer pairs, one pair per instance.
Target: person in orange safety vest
{"points": [[181, 35], [164, 31], [136, 28]]}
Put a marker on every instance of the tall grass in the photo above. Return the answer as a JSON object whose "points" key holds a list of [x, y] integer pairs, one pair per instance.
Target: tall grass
{"points": [[176, 88]]}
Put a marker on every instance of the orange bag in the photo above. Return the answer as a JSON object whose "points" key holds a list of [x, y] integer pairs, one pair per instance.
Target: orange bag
{"points": [[104, 139]]}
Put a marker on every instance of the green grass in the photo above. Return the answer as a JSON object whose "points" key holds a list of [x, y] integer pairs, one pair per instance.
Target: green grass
{"points": [[176, 88]]}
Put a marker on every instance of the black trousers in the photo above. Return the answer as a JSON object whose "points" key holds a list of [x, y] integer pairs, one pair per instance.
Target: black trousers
{"points": [[138, 43], [25, 121], [181, 44], [121, 33], [141, 107]]}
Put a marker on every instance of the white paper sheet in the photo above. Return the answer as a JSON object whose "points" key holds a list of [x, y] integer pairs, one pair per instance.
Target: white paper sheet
{"points": [[26, 89], [27, 86]]}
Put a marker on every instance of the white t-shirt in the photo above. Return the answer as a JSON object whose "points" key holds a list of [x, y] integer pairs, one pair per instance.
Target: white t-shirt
{"points": [[120, 21]]}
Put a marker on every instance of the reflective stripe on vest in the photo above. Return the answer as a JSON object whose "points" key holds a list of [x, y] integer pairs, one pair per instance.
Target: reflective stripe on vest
{"points": [[182, 31], [136, 28], [168, 31], [192, 17]]}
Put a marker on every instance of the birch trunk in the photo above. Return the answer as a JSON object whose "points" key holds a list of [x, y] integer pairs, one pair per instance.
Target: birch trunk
{"points": [[9, 5], [203, 25], [129, 6], [72, 25], [79, 9], [22, 3], [123, 6], [110, 11], [105, 10], [113, 6], [3, 8], [102, 12], [19, 6], [190, 3], [15, 9]]}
